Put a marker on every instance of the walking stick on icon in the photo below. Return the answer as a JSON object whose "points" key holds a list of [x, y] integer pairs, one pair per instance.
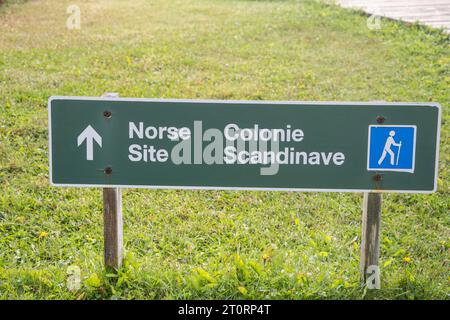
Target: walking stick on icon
{"points": [[398, 154]]}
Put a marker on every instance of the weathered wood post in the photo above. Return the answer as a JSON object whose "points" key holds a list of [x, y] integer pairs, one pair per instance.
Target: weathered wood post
{"points": [[370, 239], [112, 221], [113, 234]]}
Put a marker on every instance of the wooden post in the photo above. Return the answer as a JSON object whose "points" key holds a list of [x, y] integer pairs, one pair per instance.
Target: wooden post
{"points": [[113, 227], [370, 239], [112, 222]]}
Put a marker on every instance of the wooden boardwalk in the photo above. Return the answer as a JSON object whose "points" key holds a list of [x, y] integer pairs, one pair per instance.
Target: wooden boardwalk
{"points": [[434, 13]]}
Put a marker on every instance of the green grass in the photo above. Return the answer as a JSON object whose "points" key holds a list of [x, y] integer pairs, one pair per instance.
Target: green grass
{"points": [[211, 244]]}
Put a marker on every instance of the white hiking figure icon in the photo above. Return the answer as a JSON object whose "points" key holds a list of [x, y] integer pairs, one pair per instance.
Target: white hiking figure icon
{"points": [[387, 149]]}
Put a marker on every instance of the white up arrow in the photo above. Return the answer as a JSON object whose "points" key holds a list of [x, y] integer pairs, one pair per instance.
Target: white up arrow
{"points": [[89, 134]]}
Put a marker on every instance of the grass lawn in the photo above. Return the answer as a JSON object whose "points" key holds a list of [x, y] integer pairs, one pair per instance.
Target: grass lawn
{"points": [[211, 244]]}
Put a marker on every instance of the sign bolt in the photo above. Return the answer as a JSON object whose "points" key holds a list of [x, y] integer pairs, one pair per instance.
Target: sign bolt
{"points": [[107, 114], [377, 177], [108, 170], [380, 119]]}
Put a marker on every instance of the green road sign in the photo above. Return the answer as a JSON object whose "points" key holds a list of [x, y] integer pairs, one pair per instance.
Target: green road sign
{"points": [[190, 144]]}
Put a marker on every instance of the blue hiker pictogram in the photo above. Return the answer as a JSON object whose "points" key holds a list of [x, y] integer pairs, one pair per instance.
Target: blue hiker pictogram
{"points": [[391, 148]]}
